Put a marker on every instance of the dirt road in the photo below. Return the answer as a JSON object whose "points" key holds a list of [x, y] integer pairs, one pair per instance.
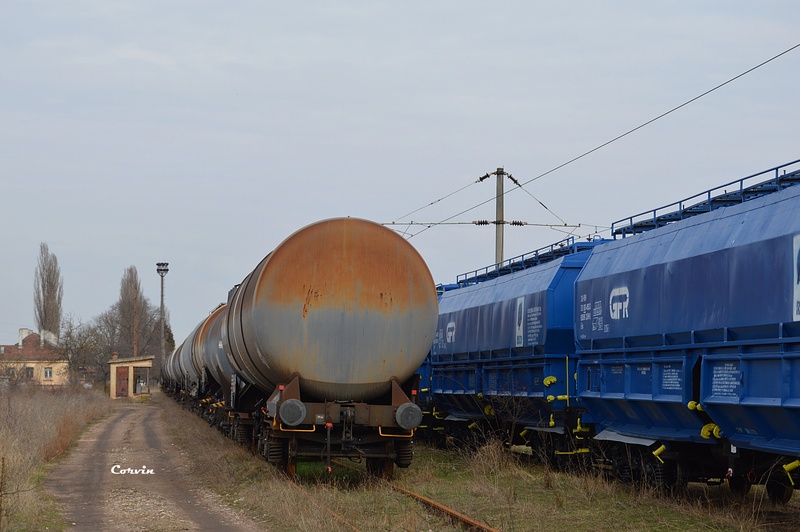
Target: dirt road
{"points": [[125, 475]]}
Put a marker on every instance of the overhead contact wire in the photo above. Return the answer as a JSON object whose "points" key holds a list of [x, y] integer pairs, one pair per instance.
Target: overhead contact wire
{"points": [[623, 135], [442, 198], [514, 180], [684, 104]]}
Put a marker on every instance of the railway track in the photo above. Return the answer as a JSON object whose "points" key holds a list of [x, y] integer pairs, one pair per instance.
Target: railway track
{"points": [[466, 522]]}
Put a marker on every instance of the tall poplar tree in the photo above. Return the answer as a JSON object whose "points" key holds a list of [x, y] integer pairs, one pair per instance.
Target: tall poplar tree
{"points": [[48, 290]]}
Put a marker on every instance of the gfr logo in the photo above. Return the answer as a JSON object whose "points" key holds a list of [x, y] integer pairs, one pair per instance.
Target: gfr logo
{"points": [[618, 303], [451, 332]]}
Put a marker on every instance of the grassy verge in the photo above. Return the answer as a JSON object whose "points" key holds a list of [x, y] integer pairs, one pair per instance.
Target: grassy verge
{"points": [[246, 482], [37, 425], [504, 491], [510, 493]]}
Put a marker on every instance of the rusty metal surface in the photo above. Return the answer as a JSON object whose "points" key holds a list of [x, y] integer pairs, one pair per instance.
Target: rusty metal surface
{"points": [[468, 522], [345, 303]]}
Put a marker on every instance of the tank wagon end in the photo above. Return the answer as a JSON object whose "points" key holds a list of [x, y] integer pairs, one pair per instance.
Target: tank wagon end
{"points": [[314, 354]]}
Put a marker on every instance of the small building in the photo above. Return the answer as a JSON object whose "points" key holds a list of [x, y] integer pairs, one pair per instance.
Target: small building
{"points": [[36, 359], [130, 377]]}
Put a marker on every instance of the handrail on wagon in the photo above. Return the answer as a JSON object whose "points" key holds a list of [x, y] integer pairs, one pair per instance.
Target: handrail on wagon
{"points": [[542, 255], [732, 193]]}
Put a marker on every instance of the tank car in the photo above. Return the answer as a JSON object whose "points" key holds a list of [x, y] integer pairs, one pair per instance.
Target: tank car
{"points": [[171, 378], [314, 354]]}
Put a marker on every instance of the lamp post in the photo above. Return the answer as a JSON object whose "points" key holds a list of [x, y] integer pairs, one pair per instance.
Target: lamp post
{"points": [[162, 269]]}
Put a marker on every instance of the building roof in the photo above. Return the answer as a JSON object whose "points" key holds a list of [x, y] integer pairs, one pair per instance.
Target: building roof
{"points": [[128, 360], [31, 348]]}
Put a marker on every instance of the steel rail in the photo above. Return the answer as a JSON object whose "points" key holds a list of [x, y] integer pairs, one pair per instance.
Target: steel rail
{"points": [[468, 522]]}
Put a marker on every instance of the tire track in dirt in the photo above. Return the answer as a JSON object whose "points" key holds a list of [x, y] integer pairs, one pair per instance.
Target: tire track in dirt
{"points": [[162, 495]]}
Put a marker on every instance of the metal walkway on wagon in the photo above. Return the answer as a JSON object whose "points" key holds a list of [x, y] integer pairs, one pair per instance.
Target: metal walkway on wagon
{"points": [[711, 199]]}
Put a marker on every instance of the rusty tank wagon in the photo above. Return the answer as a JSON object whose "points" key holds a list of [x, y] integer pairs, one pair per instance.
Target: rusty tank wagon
{"points": [[314, 354]]}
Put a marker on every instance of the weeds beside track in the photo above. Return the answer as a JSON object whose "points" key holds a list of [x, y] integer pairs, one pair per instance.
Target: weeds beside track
{"points": [[37, 425], [506, 491]]}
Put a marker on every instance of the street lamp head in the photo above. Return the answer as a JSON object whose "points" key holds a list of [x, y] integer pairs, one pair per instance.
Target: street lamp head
{"points": [[161, 268]]}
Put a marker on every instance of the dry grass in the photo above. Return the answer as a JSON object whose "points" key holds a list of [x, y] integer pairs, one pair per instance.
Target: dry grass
{"points": [[247, 482], [510, 493], [38, 425], [504, 490]]}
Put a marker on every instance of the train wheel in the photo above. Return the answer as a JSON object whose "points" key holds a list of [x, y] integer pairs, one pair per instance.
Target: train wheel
{"points": [[739, 486], [655, 475], [274, 450], [779, 490], [380, 467], [621, 466], [624, 473], [244, 434]]}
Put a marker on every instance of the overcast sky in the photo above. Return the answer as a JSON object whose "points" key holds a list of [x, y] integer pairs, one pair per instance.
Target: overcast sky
{"points": [[204, 133]]}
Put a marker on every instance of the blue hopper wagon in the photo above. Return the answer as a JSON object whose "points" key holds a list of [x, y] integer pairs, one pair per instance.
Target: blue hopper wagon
{"points": [[666, 355], [688, 335], [502, 357]]}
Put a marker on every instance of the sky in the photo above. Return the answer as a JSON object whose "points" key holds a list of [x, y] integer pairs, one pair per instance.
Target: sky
{"points": [[202, 134]]}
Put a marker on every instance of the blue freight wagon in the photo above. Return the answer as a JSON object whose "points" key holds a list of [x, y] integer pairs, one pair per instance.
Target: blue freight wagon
{"points": [[502, 357], [689, 341]]}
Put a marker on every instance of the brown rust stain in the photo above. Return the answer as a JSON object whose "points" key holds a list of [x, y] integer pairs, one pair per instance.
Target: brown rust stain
{"points": [[349, 264], [310, 296]]}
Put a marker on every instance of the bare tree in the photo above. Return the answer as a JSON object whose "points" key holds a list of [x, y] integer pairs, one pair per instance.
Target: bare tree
{"points": [[115, 327], [91, 345], [137, 317], [10, 372], [48, 290], [80, 346], [101, 338]]}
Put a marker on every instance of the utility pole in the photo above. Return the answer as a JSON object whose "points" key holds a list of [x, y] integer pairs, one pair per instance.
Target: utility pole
{"points": [[162, 269], [499, 218]]}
